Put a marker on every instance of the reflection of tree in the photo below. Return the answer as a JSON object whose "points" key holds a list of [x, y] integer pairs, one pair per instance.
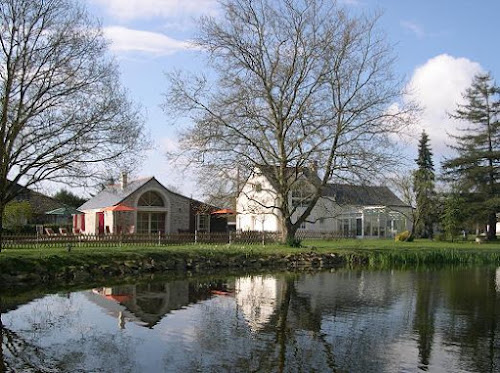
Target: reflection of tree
{"points": [[2, 361], [424, 317], [292, 337], [474, 304], [18, 354]]}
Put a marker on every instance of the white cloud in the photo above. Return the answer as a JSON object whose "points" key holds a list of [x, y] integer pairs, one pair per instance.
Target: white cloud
{"points": [[147, 9], [127, 40], [438, 86], [414, 27]]}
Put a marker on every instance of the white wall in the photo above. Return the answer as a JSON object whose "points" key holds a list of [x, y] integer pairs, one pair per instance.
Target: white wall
{"points": [[253, 215]]}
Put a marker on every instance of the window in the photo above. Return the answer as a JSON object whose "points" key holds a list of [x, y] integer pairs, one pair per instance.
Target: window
{"points": [[300, 198], [151, 199], [151, 222], [203, 223], [257, 187]]}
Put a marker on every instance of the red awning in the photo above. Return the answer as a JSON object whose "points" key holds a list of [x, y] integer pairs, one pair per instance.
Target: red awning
{"points": [[119, 207], [224, 211]]}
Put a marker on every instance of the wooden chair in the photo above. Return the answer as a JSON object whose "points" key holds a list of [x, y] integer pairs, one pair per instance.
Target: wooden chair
{"points": [[50, 232]]}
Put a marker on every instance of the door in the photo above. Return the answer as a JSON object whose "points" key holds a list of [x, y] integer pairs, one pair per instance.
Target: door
{"points": [[100, 221]]}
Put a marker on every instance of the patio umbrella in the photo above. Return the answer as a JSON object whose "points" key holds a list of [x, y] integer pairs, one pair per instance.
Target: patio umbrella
{"points": [[224, 212], [64, 211], [119, 207]]}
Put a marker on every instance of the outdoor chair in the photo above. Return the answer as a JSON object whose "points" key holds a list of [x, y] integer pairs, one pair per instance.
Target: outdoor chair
{"points": [[50, 232], [63, 231], [107, 230], [131, 229], [76, 231]]}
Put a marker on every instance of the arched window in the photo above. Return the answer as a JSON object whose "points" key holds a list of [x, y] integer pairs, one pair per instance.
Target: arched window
{"points": [[151, 199]]}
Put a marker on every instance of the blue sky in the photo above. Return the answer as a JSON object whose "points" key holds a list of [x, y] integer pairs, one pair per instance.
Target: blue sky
{"points": [[440, 45]]}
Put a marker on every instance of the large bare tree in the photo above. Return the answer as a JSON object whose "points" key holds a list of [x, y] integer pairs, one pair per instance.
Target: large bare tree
{"points": [[63, 113], [293, 83]]}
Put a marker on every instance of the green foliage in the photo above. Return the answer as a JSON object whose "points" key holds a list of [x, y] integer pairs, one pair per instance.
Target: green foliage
{"points": [[16, 215], [69, 198], [293, 242], [478, 148], [454, 215], [403, 236], [423, 186]]}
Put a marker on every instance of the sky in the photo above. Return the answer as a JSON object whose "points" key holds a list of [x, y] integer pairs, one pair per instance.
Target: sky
{"points": [[439, 45]]}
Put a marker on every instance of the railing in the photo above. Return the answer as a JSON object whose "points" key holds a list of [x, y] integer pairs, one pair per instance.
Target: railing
{"points": [[113, 240]]}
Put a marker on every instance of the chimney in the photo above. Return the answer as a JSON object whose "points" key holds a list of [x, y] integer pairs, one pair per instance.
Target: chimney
{"points": [[123, 180]]}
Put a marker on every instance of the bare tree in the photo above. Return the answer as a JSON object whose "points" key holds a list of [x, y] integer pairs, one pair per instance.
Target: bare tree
{"points": [[297, 83], [63, 113], [405, 188]]}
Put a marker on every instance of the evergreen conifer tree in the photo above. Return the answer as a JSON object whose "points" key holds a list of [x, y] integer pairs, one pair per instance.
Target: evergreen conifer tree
{"points": [[423, 180], [477, 163]]}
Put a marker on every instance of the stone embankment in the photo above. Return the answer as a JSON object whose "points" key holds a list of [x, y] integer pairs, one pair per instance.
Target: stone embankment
{"points": [[49, 271]]}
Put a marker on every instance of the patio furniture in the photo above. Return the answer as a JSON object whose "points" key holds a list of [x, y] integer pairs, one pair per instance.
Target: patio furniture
{"points": [[50, 232], [63, 231]]}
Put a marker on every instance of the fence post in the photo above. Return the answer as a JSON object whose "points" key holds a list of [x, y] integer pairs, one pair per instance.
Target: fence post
{"points": [[230, 241], [263, 238], [159, 237], [196, 236]]}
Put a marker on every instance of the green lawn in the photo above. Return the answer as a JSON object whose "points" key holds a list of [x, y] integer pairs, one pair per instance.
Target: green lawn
{"points": [[344, 246]]}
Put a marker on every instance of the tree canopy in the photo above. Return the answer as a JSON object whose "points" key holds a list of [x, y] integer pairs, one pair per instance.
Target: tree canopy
{"points": [[63, 113], [69, 198], [424, 189], [296, 84], [477, 160]]}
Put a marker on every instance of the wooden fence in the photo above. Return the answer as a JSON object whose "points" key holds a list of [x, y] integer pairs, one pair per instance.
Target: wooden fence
{"points": [[113, 240]]}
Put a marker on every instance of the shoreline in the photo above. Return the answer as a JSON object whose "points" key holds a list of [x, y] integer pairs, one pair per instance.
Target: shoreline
{"points": [[58, 266]]}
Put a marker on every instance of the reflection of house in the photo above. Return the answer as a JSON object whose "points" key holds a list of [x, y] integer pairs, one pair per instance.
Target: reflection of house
{"points": [[152, 209], [258, 297], [362, 211], [143, 304]]}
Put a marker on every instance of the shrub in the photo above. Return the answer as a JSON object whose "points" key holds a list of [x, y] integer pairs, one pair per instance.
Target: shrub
{"points": [[294, 242], [440, 237], [403, 236]]}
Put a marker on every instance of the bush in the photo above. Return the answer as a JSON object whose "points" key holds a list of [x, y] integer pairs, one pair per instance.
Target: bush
{"points": [[403, 236], [440, 237], [294, 242]]}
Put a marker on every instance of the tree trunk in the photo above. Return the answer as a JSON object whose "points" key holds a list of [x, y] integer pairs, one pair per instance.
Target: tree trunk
{"points": [[2, 208], [491, 234], [288, 231], [3, 368]]}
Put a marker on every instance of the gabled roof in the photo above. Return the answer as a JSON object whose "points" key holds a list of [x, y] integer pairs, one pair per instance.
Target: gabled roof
{"points": [[40, 203], [113, 194], [362, 195], [344, 194], [291, 173]]}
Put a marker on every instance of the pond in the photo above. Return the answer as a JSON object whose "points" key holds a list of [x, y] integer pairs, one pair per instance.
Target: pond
{"points": [[349, 320]]}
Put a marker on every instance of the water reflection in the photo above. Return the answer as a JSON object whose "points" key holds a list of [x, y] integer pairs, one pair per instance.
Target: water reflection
{"points": [[348, 320]]}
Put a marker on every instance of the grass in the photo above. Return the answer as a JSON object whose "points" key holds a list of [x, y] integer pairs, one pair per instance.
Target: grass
{"points": [[374, 252]]}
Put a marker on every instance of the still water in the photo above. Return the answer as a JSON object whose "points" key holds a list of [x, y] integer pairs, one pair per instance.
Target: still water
{"points": [[440, 320]]}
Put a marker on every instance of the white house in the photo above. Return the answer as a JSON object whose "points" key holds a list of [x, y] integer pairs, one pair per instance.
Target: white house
{"points": [[348, 210]]}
